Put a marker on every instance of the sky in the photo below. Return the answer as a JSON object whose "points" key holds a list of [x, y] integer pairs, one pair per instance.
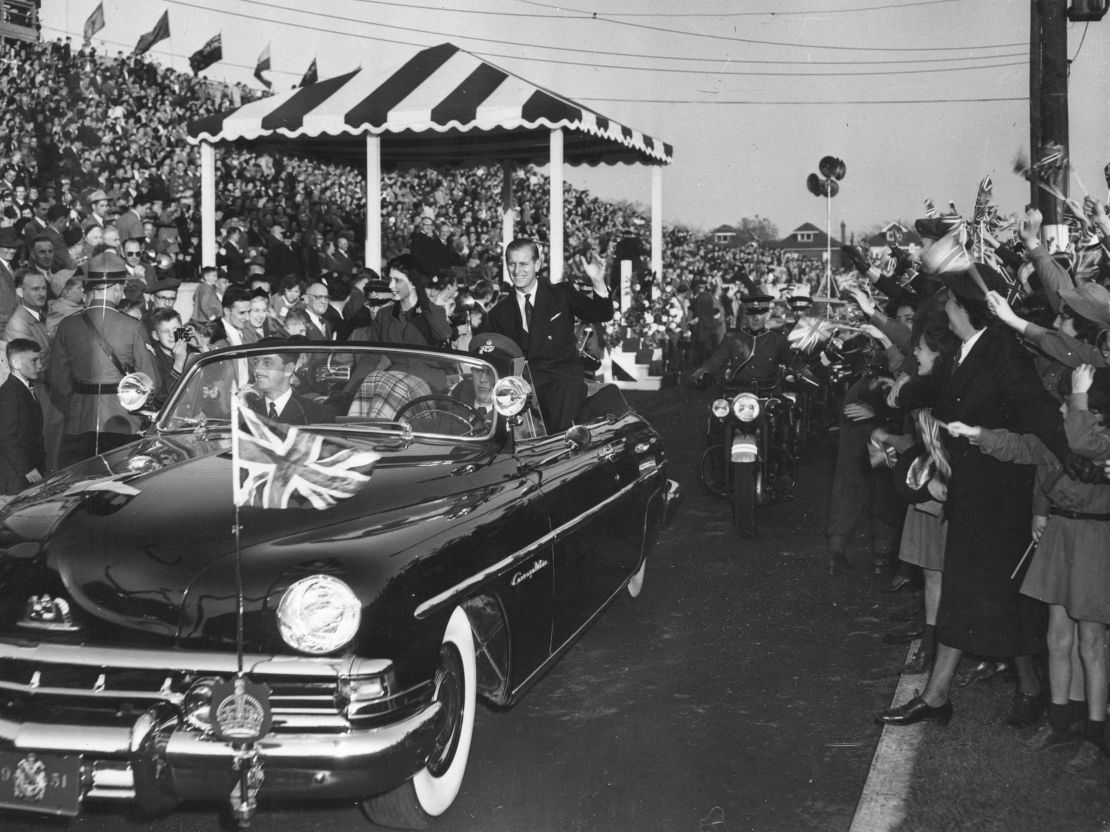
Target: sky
{"points": [[751, 93]]}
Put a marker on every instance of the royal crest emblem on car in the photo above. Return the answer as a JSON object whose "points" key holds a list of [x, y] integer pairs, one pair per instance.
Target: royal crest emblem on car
{"points": [[44, 612], [29, 781], [240, 710]]}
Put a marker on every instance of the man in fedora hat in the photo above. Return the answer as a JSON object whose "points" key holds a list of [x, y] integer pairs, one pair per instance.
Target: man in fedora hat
{"points": [[9, 245], [98, 209], [94, 349]]}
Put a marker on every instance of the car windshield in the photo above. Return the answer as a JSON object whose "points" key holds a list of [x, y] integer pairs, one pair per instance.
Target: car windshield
{"points": [[339, 385]]}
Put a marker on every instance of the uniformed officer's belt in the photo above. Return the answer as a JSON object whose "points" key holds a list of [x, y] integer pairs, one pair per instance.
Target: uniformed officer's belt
{"points": [[86, 389], [1077, 515]]}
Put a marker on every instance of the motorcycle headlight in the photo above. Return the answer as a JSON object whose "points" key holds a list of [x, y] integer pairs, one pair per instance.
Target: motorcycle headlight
{"points": [[745, 407], [318, 614], [719, 408]]}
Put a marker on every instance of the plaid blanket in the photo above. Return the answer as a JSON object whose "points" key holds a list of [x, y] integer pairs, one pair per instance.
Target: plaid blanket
{"points": [[384, 392]]}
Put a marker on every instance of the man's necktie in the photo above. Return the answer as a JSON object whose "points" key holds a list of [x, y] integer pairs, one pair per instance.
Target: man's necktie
{"points": [[528, 314], [34, 395], [273, 411]]}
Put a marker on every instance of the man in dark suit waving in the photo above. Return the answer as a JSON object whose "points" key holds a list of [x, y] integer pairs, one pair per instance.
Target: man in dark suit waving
{"points": [[539, 316], [22, 454]]}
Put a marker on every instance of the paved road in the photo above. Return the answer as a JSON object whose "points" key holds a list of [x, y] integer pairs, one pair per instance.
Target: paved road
{"points": [[742, 678]]}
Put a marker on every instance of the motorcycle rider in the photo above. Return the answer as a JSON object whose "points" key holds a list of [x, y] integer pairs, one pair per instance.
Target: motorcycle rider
{"points": [[751, 355]]}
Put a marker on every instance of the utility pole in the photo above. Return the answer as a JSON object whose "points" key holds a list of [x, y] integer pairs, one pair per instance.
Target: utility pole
{"points": [[1048, 107]]}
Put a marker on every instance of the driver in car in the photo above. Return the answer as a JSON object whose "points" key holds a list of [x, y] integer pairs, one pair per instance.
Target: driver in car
{"points": [[751, 355], [271, 392]]}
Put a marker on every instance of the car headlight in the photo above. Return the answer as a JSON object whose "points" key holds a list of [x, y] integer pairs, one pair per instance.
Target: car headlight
{"points": [[745, 407], [318, 614], [719, 408], [510, 395]]}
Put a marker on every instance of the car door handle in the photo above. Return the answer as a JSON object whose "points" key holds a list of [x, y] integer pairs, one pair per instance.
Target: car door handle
{"points": [[463, 469]]}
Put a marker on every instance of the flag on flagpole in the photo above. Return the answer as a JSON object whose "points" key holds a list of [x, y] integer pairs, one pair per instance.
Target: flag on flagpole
{"points": [[95, 23], [280, 466], [212, 52], [161, 31], [263, 65], [310, 75]]}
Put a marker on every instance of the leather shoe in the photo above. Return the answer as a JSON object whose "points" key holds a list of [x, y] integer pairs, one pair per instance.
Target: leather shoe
{"points": [[913, 711], [838, 563], [905, 633], [1026, 710], [980, 673]]}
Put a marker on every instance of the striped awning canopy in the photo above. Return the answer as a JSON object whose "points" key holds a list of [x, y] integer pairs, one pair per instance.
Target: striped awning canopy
{"points": [[444, 106]]}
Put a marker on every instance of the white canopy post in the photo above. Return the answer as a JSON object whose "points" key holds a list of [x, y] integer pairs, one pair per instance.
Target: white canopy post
{"points": [[508, 214], [555, 257], [657, 221], [373, 250], [207, 204]]}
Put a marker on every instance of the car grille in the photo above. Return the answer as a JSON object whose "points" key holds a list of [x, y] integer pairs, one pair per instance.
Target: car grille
{"points": [[107, 687]]}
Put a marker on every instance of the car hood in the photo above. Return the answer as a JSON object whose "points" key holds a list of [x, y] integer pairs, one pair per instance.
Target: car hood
{"points": [[144, 538]]}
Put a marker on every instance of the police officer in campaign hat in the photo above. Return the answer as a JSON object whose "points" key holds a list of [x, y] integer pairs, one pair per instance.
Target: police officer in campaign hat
{"points": [[93, 349]]}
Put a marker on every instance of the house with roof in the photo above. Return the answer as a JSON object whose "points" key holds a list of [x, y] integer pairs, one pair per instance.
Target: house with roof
{"points": [[724, 235], [807, 240], [895, 234]]}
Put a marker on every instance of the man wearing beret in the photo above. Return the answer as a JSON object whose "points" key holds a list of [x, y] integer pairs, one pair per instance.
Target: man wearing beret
{"points": [[539, 316], [94, 349]]}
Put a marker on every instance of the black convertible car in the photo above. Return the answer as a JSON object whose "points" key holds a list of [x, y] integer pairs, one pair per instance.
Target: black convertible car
{"points": [[313, 612]]}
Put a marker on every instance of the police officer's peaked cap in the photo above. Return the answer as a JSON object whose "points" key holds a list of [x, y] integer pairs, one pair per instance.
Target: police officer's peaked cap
{"points": [[757, 304], [494, 345]]}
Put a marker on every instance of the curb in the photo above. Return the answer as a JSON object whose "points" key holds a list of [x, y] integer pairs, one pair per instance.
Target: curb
{"points": [[881, 806]]}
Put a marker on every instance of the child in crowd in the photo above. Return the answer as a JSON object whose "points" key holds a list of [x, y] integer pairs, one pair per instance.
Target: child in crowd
{"points": [[1070, 569]]}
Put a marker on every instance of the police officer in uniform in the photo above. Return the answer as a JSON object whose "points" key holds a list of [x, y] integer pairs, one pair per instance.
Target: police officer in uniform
{"points": [[93, 349], [751, 355]]}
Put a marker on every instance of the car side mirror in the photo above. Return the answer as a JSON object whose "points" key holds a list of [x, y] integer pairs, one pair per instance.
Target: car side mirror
{"points": [[578, 437]]}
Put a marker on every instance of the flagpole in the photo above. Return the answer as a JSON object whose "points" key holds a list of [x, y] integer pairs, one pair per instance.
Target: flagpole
{"points": [[235, 430]]}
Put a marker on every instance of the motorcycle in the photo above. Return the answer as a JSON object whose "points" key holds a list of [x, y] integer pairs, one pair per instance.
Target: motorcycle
{"points": [[749, 434]]}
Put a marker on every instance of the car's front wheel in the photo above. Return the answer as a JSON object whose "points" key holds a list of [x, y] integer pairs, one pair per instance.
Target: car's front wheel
{"points": [[433, 789]]}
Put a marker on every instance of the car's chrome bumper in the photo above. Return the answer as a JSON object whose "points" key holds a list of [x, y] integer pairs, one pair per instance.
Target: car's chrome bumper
{"points": [[156, 762]]}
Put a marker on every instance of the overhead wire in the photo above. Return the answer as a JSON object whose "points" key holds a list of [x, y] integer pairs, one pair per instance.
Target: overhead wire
{"points": [[347, 20], [616, 54], [589, 64], [775, 13]]}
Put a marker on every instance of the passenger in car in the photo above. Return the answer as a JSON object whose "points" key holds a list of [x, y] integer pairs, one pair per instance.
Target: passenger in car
{"points": [[271, 392]]}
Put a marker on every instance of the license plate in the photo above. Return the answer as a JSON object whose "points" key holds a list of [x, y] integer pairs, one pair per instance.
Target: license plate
{"points": [[46, 783]]}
